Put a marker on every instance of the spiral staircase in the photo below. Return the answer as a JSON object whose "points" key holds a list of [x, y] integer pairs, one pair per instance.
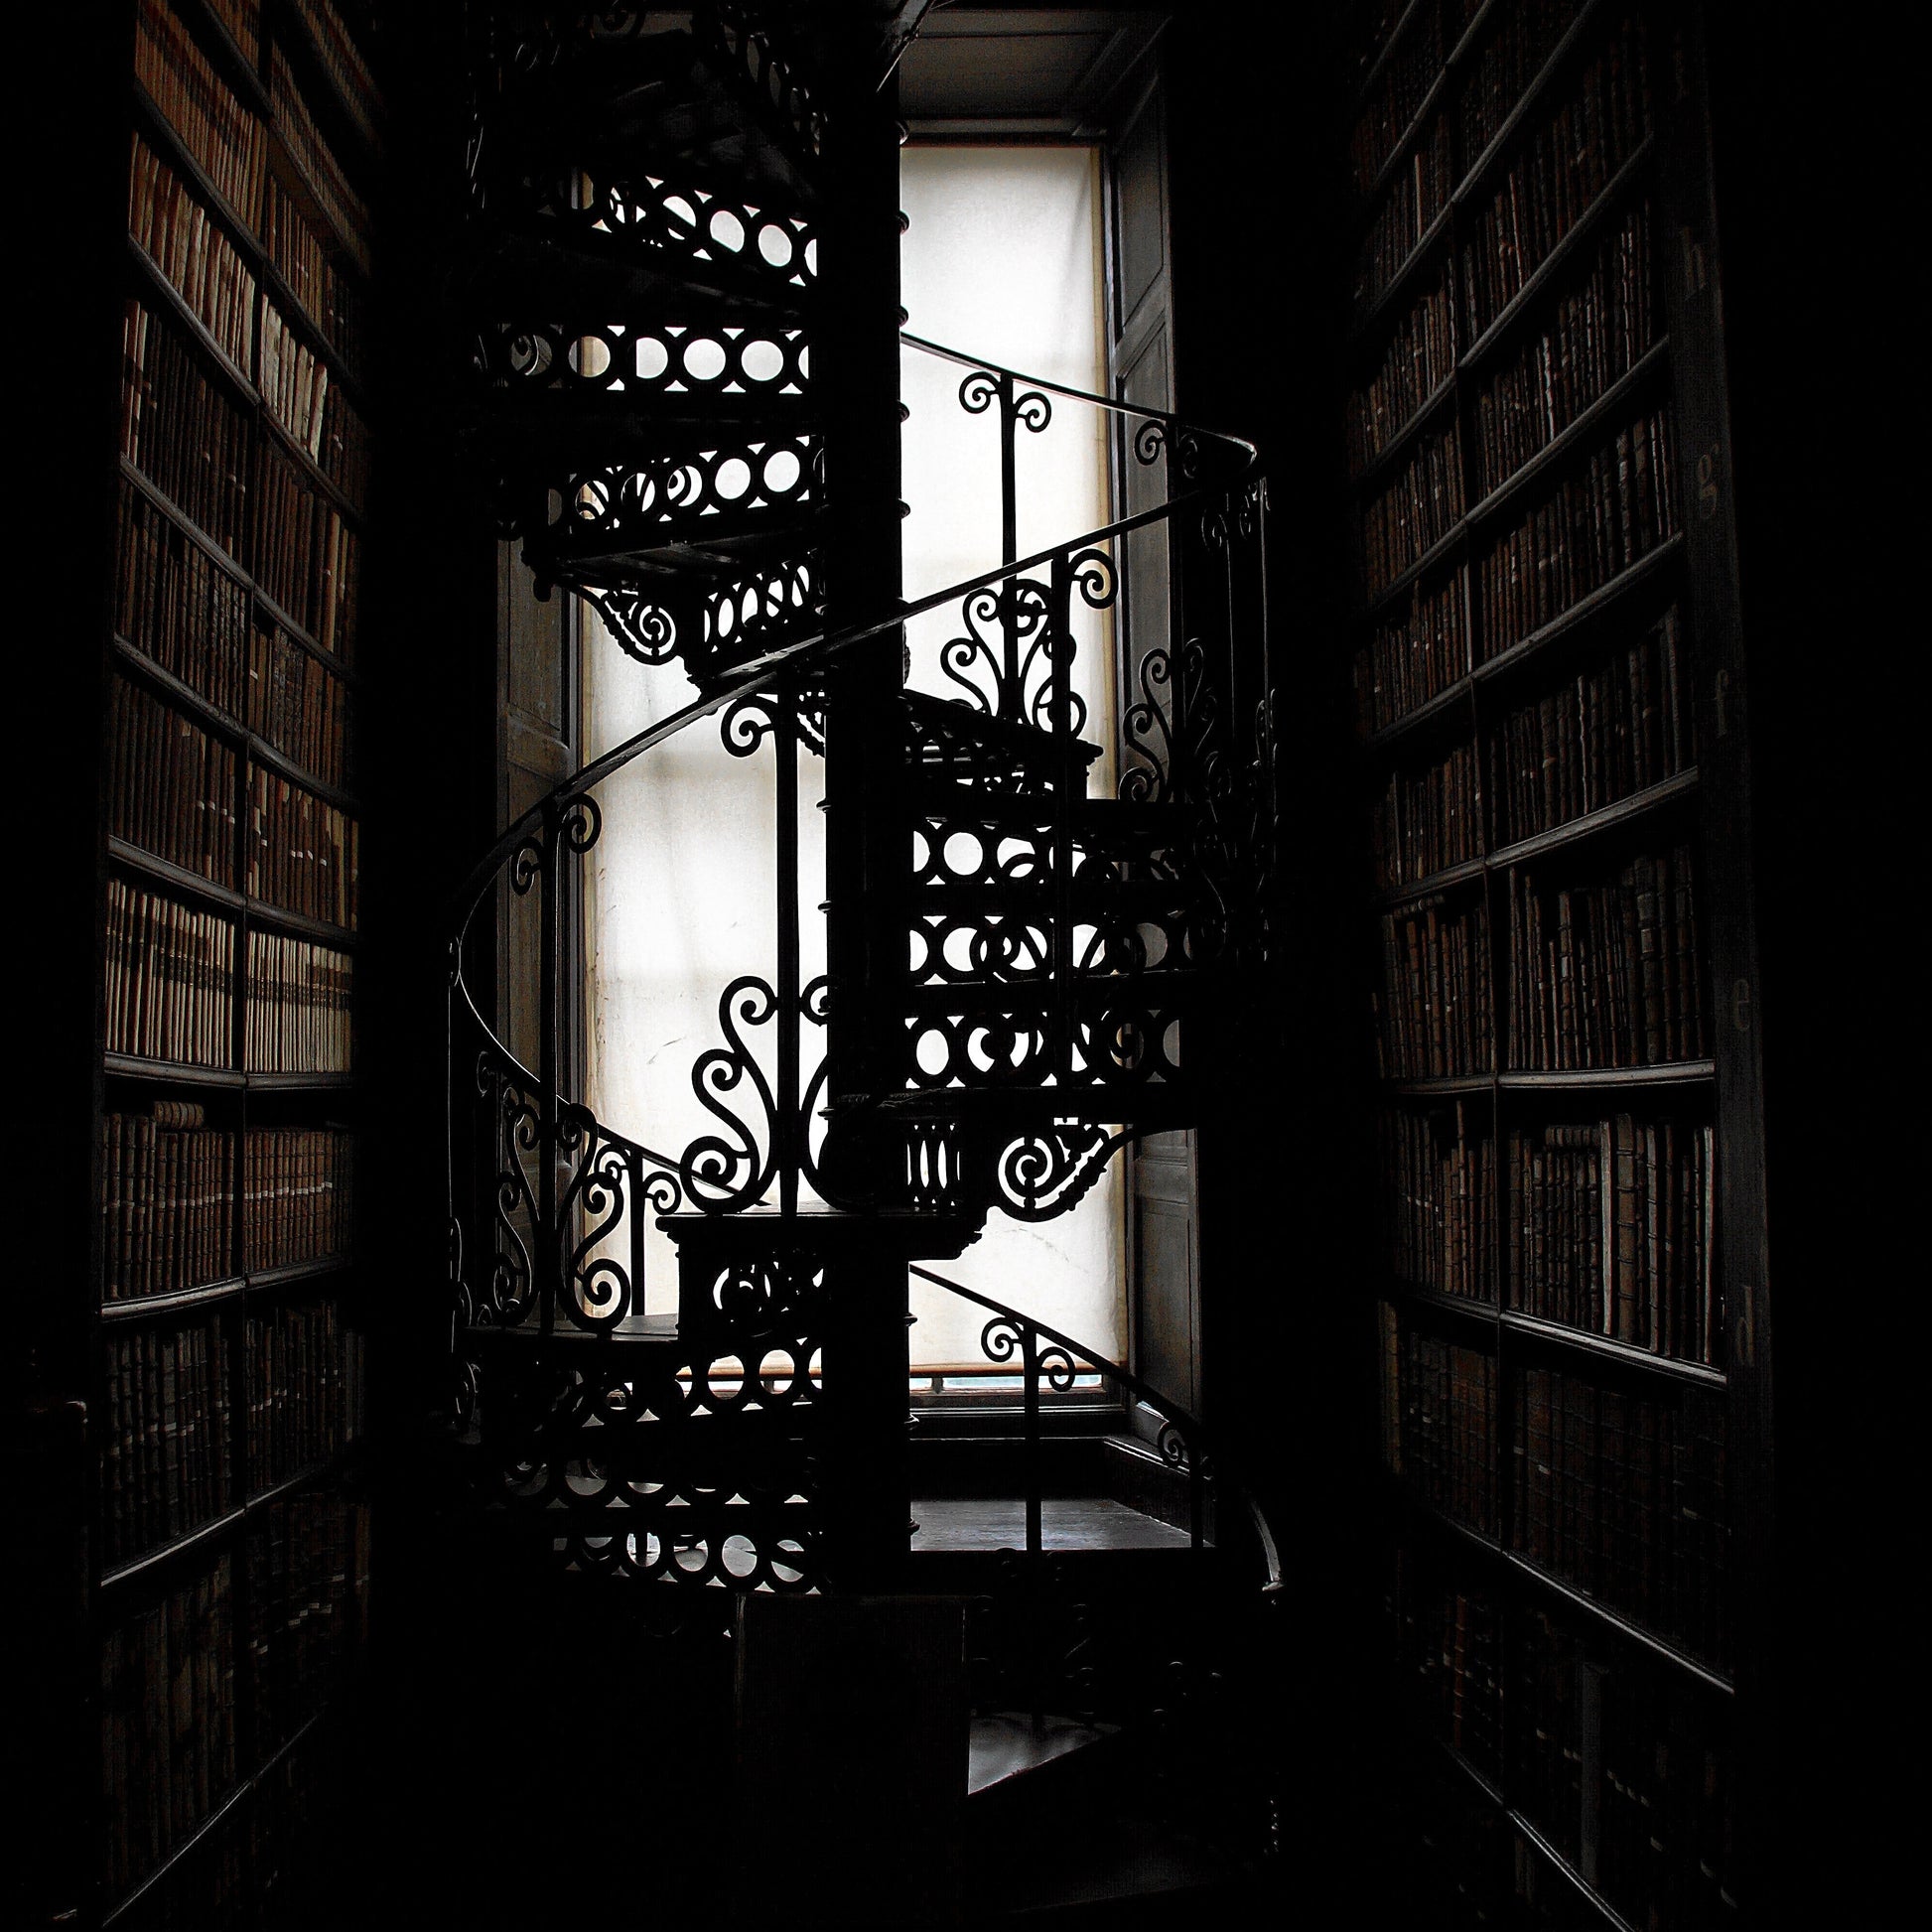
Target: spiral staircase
{"points": [[679, 377]]}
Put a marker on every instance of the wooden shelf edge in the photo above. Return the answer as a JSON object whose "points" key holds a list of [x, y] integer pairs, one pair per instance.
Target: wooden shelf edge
{"points": [[307, 55], [311, 470], [178, 879], [241, 1792], [1384, 459], [135, 1067], [1550, 266], [1539, 1844], [1667, 1073], [206, 1294], [1463, 873], [1369, 318], [1619, 812], [294, 1273], [228, 369], [1568, 1594], [280, 918], [1382, 58], [1392, 1287], [1563, 1336], [1432, 101], [184, 697], [310, 1474], [293, 310], [1513, 656], [1439, 552], [159, 132], [259, 912], [276, 614], [287, 165], [1446, 1083], [223, 52], [223, 559], [215, 1815], [1574, 433], [199, 1536], [1528, 102], [1652, 562], [1503, 499], [1573, 831]]}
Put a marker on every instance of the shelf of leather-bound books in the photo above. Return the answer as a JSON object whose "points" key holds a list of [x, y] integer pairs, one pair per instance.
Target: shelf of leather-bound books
{"points": [[332, 72], [316, 1476], [277, 1626], [1559, 1724], [1597, 1481]]}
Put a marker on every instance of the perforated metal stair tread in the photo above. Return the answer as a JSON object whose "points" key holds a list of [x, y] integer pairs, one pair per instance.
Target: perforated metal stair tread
{"points": [[1067, 1523]]}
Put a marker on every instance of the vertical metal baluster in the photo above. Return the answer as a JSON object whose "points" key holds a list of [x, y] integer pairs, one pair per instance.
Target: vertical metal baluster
{"points": [[1067, 774], [786, 1129], [636, 1205], [1029, 1368], [1196, 1498], [452, 1223], [548, 1234], [1012, 698], [1035, 1591]]}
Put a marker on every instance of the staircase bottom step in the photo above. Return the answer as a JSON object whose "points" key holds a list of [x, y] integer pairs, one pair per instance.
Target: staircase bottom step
{"points": [[954, 1523], [1006, 1746]]}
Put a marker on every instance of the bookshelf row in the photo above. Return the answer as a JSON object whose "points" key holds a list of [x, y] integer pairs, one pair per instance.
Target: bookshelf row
{"points": [[1601, 1228], [193, 811], [191, 990], [1550, 136], [1529, 444], [207, 1411], [1602, 1485], [1613, 1780], [178, 1217], [229, 1398], [259, 160], [215, 1671]]}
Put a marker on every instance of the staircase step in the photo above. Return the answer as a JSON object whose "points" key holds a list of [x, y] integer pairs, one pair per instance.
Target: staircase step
{"points": [[954, 1524], [1006, 1747], [1150, 1105], [948, 724], [1157, 990], [573, 425], [618, 274]]}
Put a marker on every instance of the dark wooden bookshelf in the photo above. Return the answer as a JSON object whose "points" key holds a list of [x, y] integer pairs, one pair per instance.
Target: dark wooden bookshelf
{"points": [[1476, 1117], [221, 626]]}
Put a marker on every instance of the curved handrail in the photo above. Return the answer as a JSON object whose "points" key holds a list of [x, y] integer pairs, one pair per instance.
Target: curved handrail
{"points": [[807, 654], [803, 658], [1189, 1428], [1112, 404]]}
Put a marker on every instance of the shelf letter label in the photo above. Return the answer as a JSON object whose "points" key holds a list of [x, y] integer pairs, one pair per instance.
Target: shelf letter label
{"points": [[1707, 482]]}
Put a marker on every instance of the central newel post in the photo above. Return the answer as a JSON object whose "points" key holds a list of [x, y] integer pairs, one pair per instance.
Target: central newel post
{"points": [[855, 362]]}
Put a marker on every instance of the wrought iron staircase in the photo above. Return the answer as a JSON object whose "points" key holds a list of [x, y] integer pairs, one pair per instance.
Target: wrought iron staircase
{"points": [[1025, 978]]}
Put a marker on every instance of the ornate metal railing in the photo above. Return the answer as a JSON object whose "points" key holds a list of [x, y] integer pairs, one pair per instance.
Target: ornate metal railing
{"points": [[1046, 1358], [555, 1233]]}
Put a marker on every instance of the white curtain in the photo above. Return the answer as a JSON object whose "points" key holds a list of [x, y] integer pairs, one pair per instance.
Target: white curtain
{"points": [[1003, 260], [680, 901]]}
